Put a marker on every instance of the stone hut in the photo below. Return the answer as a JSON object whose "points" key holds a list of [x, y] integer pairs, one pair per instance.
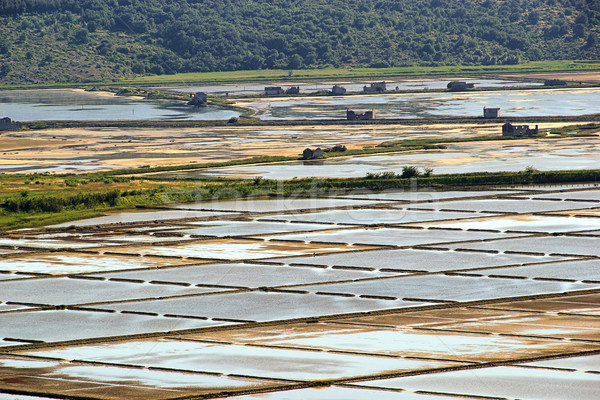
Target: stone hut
{"points": [[7, 124], [272, 90], [375, 87], [309, 154], [491, 112], [338, 90], [199, 99], [554, 82], [509, 129], [293, 90], [352, 115], [457, 86]]}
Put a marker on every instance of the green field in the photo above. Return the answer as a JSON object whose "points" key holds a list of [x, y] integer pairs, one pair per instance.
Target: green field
{"points": [[266, 75], [356, 73]]}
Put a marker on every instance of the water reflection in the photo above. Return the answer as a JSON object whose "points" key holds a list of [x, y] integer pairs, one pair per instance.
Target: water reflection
{"points": [[67, 105]]}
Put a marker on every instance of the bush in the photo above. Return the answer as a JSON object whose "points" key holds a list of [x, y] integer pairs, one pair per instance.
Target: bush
{"points": [[338, 148], [409, 172]]}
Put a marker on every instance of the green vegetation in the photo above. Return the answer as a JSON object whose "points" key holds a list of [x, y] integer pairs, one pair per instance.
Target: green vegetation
{"points": [[165, 168], [577, 130], [355, 72], [28, 200], [99, 40]]}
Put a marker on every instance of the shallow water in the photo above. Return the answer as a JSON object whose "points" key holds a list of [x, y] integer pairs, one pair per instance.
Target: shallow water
{"points": [[67, 105], [261, 306], [458, 158], [390, 236], [385, 340], [142, 216], [66, 263], [245, 228], [523, 223], [337, 393], [575, 270], [587, 195], [245, 275], [503, 382], [582, 246], [233, 249], [584, 363], [444, 288], [259, 88], [514, 103], [80, 291], [275, 205], [417, 260], [249, 361], [157, 379], [62, 325], [370, 217], [505, 206]]}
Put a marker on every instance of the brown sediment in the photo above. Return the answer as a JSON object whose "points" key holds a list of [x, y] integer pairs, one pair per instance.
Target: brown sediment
{"points": [[585, 77]]}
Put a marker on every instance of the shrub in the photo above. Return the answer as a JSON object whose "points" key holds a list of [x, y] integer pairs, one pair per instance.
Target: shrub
{"points": [[409, 172]]}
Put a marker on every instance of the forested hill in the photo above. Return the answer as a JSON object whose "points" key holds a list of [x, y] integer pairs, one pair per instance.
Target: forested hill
{"points": [[60, 40]]}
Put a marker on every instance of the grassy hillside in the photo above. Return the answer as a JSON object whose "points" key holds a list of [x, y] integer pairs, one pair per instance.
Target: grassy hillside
{"points": [[73, 41]]}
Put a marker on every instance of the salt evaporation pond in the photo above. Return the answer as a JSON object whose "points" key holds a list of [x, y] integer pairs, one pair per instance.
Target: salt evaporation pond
{"points": [[259, 306], [502, 382], [552, 245], [243, 360], [388, 340], [336, 393], [523, 223], [62, 325], [513, 103], [436, 288], [244, 275], [78, 105], [415, 260]]}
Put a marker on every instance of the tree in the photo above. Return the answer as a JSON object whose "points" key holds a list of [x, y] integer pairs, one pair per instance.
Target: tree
{"points": [[579, 30], [5, 70], [296, 61], [81, 36], [409, 172], [533, 18]]}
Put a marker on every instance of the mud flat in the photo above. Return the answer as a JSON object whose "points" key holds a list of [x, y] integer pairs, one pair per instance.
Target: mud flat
{"points": [[92, 149]]}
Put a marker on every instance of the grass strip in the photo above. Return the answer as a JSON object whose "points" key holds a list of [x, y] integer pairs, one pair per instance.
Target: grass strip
{"points": [[19, 211]]}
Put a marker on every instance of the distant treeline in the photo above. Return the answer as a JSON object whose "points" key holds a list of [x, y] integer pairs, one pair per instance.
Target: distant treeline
{"points": [[169, 36], [20, 6]]}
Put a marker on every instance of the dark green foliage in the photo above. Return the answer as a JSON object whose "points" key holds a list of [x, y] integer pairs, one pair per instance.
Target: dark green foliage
{"points": [[202, 35], [81, 36], [55, 204], [338, 148], [409, 172]]}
